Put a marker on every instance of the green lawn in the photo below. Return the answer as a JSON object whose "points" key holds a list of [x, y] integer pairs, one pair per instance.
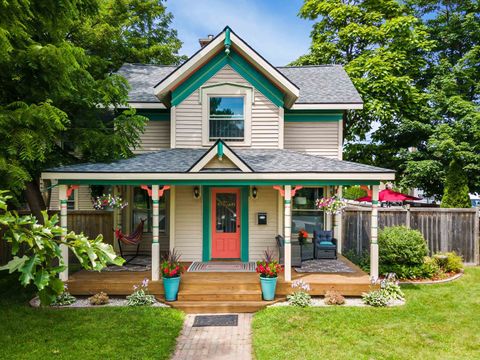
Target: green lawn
{"points": [[100, 333], [438, 322]]}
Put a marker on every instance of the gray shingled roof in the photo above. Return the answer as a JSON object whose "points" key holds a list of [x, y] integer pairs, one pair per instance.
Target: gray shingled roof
{"points": [[261, 161], [318, 84]]}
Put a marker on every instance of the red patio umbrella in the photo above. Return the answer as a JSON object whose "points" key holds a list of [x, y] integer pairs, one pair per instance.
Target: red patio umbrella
{"points": [[389, 195]]}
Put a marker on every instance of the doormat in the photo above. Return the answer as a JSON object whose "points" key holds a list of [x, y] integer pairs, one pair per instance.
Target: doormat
{"points": [[200, 266], [215, 320], [324, 266]]}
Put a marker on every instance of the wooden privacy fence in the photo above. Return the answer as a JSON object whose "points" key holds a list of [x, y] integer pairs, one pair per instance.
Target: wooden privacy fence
{"points": [[90, 222], [443, 229]]}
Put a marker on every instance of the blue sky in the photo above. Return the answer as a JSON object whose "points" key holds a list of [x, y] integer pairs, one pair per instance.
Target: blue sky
{"points": [[271, 27]]}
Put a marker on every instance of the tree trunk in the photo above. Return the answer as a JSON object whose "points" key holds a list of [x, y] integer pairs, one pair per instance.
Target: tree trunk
{"points": [[35, 200]]}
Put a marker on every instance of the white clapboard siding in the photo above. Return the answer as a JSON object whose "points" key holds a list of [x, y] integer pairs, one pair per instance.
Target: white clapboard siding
{"points": [[188, 224], [264, 122], [317, 138], [262, 237], [155, 137]]}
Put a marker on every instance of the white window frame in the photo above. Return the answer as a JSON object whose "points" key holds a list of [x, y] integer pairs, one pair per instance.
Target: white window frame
{"points": [[227, 90]]}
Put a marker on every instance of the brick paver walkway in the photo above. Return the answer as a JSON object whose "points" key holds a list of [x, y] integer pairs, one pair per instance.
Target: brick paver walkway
{"points": [[215, 342]]}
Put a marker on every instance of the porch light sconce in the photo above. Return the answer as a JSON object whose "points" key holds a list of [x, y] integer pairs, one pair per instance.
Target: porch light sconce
{"points": [[196, 192], [254, 192]]}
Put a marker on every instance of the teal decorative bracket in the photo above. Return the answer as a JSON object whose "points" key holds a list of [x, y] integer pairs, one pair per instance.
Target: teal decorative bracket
{"points": [[227, 41]]}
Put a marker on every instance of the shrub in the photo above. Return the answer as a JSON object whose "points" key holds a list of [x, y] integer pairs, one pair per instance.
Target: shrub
{"points": [[362, 260], [353, 192], [401, 248], [140, 295], [99, 299], [449, 262], [431, 268], [455, 192], [333, 297], [300, 297]]}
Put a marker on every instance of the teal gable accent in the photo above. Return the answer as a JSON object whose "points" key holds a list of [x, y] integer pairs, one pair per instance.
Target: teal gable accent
{"points": [[207, 221], [312, 115], [240, 65], [220, 149], [155, 114]]}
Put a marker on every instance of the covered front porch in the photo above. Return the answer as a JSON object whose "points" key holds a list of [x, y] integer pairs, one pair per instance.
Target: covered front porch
{"points": [[211, 292]]}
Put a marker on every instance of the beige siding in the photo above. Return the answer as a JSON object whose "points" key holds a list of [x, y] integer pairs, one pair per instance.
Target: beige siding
{"points": [[264, 123], [318, 138], [155, 137], [262, 237], [188, 224], [82, 199], [225, 163]]}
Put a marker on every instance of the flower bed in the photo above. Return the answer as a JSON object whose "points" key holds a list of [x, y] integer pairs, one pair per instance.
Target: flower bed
{"points": [[83, 302]]}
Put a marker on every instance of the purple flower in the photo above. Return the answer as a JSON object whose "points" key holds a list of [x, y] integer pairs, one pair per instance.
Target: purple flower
{"points": [[145, 283]]}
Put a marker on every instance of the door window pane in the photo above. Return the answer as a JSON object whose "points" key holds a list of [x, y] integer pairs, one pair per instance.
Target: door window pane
{"points": [[226, 212], [304, 213], [226, 118]]}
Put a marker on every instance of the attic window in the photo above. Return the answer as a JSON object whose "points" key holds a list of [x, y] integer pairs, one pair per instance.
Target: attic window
{"points": [[226, 118]]}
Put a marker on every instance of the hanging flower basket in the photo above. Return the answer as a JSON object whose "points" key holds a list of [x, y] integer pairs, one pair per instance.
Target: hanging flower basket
{"points": [[108, 202], [332, 205]]}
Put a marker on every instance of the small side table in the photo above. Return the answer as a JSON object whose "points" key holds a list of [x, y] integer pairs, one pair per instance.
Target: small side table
{"points": [[306, 251]]}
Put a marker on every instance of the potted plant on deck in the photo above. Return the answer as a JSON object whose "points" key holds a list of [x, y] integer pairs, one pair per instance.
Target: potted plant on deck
{"points": [[268, 269], [171, 270]]}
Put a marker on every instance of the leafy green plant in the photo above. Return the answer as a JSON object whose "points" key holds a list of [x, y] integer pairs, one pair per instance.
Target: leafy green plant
{"points": [[353, 192], [41, 261], [375, 298], [64, 299], [100, 298], [140, 295], [431, 269], [300, 297], [402, 251], [170, 266], [391, 288], [362, 260], [449, 262], [455, 193], [333, 297]]}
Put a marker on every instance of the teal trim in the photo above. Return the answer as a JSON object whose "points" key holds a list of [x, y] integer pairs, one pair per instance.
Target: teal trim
{"points": [[155, 201], [206, 198], [227, 41], [312, 115], [220, 149], [244, 224], [207, 221], [375, 202], [288, 201], [219, 183], [155, 114], [240, 65], [63, 201]]}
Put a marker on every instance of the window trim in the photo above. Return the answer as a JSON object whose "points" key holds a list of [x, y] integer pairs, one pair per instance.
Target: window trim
{"points": [[226, 90], [310, 210]]}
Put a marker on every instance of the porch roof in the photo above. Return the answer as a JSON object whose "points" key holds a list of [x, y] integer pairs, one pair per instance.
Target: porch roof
{"points": [[265, 164]]}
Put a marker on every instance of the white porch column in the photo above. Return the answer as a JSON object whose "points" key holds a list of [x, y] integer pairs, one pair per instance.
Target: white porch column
{"points": [[155, 244], [171, 214], [288, 232], [374, 235], [337, 230], [62, 195]]}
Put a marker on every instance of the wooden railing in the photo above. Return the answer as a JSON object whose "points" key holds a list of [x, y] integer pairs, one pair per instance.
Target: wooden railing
{"points": [[443, 229]]}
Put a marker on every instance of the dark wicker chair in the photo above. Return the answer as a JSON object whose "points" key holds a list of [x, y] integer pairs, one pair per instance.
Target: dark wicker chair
{"points": [[296, 252], [325, 245]]}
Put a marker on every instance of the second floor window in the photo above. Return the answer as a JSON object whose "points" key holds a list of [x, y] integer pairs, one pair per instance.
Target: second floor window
{"points": [[226, 118]]}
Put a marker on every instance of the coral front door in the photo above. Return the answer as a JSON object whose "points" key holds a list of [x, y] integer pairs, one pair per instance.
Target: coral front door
{"points": [[226, 223]]}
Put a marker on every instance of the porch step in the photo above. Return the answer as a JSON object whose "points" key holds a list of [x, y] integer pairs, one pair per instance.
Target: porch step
{"points": [[219, 294], [215, 307]]}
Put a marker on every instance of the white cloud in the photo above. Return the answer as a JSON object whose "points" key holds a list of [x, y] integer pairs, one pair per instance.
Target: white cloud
{"points": [[270, 27]]}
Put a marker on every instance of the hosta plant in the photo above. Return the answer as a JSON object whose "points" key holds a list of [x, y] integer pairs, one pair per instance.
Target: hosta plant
{"points": [[375, 298], [140, 296], [300, 296], [36, 250], [64, 298]]}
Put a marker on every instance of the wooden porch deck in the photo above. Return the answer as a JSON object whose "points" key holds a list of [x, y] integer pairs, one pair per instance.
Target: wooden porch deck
{"points": [[219, 292]]}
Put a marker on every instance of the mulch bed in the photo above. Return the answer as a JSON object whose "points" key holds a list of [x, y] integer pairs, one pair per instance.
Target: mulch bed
{"points": [[447, 277]]}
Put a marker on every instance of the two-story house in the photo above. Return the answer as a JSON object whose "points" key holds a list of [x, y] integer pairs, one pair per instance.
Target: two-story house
{"points": [[236, 152]]}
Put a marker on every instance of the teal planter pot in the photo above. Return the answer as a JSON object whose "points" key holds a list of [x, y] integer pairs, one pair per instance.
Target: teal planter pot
{"points": [[268, 287], [171, 285]]}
